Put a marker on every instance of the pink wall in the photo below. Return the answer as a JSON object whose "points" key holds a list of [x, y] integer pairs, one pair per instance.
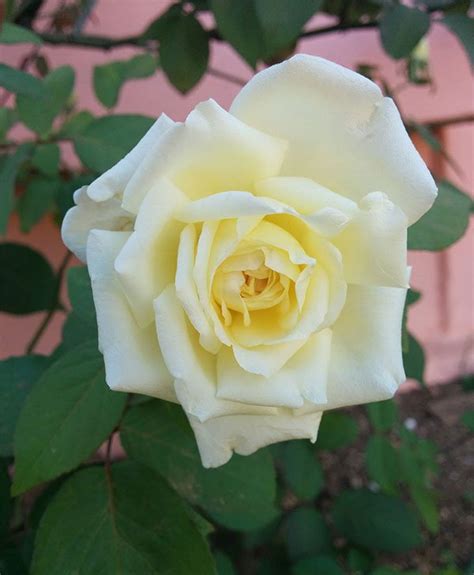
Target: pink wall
{"points": [[444, 319]]}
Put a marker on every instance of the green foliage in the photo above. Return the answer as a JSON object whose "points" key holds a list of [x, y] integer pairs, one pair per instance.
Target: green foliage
{"points": [[238, 23], [382, 463], [320, 564], [109, 78], [38, 113], [20, 82], [119, 519], [17, 377], [20, 295], [337, 430], [306, 533], [462, 26], [224, 564], [158, 435], [382, 414], [9, 168], [8, 117], [65, 418], [468, 419], [376, 521], [36, 201], [184, 51], [5, 502], [401, 28], [414, 360], [301, 469], [445, 223], [104, 141], [46, 159], [13, 34]]}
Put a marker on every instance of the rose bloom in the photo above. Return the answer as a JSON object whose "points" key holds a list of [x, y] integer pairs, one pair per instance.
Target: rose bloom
{"points": [[251, 265]]}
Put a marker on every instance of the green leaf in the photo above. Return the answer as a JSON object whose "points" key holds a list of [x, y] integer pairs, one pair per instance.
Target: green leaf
{"points": [[36, 201], [184, 52], [13, 34], [359, 561], [158, 434], [123, 520], [20, 82], [301, 469], [382, 414], [46, 159], [445, 223], [313, 565], [109, 78], [376, 521], [159, 26], [414, 360], [337, 430], [468, 419], [69, 413], [9, 168], [306, 533], [27, 282], [462, 26], [105, 141], [281, 22], [38, 114], [412, 297], [238, 24], [5, 501], [418, 459], [383, 463], [425, 500], [224, 564], [80, 293], [76, 124], [401, 28], [8, 117], [17, 377]]}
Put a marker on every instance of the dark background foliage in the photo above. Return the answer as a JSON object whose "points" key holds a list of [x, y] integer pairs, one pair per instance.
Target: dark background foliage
{"points": [[67, 506]]}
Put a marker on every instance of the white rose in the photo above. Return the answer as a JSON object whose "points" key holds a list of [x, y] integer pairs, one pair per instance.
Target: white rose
{"points": [[251, 264]]}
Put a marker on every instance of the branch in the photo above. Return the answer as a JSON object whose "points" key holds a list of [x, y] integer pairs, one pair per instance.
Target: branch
{"points": [[104, 43], [54, 307]]}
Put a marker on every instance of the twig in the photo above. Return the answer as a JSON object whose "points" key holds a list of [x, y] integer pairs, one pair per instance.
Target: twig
{"points": [[226, 76], [54, 306]]}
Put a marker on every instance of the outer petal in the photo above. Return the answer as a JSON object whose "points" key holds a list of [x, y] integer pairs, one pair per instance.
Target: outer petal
{"points": [[211, 152], [133, 361], [192, 367], [366, 358], [341, 131], [374, 244], [88, 215], [304, 376], [147, 262], [218, 438], [113, 182]]}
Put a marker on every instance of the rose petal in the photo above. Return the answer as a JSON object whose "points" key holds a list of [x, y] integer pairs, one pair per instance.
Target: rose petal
{"points": [[342, 132], [132, 356], [147, 262], [366, 358], [374, 244], [88, 215], [211, 152], [192, 367], [218, 438]]}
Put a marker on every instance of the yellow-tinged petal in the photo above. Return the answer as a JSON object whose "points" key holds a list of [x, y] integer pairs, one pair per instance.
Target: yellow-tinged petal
{"points": [[132, 356], [342, 132], [211, 152]]}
